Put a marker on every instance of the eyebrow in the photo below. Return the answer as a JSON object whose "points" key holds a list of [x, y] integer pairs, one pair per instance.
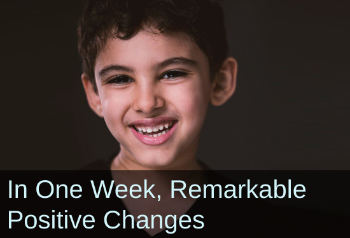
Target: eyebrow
{"points": [[176, 61], [182, 61], [114, 67]]}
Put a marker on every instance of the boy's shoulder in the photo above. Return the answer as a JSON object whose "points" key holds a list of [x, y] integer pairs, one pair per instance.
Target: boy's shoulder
{"points": [[258, 216]]}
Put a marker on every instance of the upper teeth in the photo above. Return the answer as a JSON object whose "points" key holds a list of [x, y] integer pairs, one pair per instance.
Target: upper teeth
{"points": [[150, 129]]}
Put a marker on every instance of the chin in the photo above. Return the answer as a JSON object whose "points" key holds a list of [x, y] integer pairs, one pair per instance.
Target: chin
{"points": [[155, 161]]}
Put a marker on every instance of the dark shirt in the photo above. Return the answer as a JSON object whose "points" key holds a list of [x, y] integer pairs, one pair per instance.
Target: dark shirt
{"points": [[240, 217]]}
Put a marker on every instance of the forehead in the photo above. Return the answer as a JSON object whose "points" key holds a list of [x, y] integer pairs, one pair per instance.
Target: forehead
{"points": [[148, 48]]}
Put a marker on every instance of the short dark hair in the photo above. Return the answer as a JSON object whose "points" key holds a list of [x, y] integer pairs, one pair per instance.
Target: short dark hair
{"points": [[201, 20]]}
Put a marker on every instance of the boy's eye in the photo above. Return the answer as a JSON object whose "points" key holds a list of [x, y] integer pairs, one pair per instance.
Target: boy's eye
{"points": [[121, 80], [173, 74]]}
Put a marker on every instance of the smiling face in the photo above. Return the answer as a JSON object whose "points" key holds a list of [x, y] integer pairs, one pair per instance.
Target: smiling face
{"points": [[153, 93]]}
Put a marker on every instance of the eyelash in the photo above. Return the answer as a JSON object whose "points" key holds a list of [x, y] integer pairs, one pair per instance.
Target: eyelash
{"points": [[123, 79], [177, 74]]}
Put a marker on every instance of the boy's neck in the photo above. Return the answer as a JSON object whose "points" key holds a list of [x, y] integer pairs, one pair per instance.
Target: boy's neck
{"points": [[121, 162]]}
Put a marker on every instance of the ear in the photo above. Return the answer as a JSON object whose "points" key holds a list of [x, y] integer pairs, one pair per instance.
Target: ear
{"points": [[92, 96], [224, 83]]}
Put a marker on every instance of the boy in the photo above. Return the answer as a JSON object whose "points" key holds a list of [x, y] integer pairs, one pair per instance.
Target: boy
{"points": [[150, 69]]}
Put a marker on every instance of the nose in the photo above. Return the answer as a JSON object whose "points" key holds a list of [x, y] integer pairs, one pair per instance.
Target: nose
{"points": [[148, 99]]}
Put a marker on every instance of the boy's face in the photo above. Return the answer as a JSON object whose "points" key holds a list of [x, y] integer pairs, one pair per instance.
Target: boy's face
{"points": [[146, 84]]}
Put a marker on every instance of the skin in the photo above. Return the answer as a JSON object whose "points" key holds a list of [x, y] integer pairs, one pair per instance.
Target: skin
{"points": [[149, 92]]}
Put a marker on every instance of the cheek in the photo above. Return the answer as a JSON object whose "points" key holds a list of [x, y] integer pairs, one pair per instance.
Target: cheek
{"points": [[191, 100], [113, 108]]}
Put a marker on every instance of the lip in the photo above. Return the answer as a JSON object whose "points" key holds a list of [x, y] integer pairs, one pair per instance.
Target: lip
{"points": [[152, 121], [147, 140]]}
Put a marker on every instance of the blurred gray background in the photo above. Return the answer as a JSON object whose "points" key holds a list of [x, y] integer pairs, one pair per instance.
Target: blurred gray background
{"points": [[290, 109]]}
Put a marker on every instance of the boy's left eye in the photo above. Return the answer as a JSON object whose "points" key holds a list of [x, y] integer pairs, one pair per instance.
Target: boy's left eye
{"points": [[173, 74]]}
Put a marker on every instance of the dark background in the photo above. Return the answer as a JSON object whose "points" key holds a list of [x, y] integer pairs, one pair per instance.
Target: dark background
{"points": [[290, 110]]}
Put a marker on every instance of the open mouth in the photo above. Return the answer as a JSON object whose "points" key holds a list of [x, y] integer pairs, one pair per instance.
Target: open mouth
{"points": [[155, 130]]}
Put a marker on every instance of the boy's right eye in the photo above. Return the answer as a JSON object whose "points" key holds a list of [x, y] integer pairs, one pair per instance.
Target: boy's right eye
{"points": [[119, 80]]}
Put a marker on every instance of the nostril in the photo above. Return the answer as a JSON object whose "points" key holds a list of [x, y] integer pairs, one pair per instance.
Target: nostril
{"points": [[148, 100]]}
